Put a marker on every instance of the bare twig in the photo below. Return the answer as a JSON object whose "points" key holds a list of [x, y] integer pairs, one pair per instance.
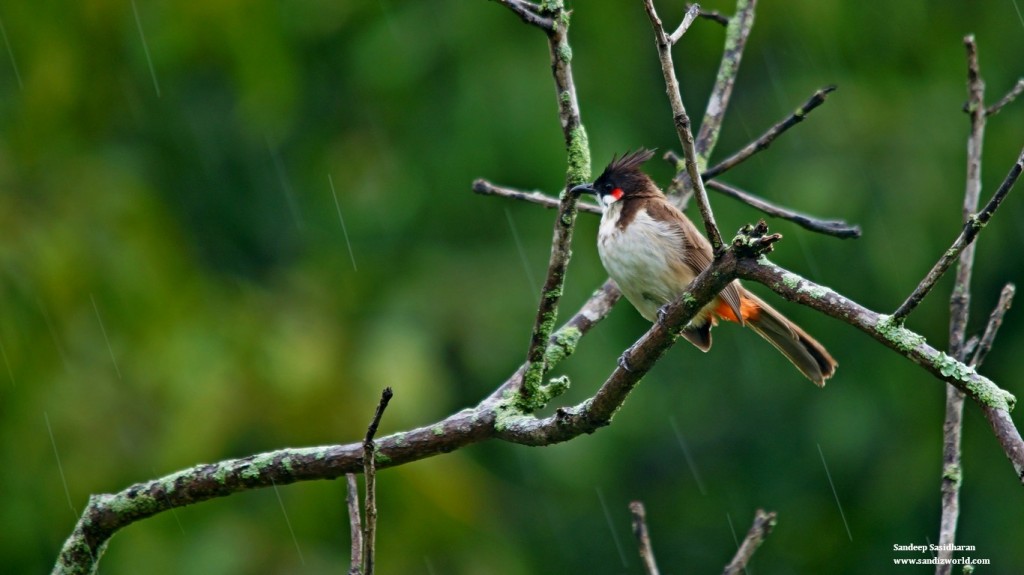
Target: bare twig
{"points": [[682, 124], [529, 12], [995, 319], [959, 312], [970, 231], [766, 139], [691, 14], [355, 524], [713, 15], [643, 538], [736, 34], [1009, 97], [836, 228], [486, 188], [370, 476], [762, 527]]}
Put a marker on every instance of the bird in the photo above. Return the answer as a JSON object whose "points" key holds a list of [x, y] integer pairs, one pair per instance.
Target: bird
{"points": [[653, 252]]}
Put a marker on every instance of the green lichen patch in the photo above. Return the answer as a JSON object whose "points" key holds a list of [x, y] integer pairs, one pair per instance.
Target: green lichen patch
{"points": [[952, 472], [904, 339], [791, 280], [565, 52], [381, 457], [579, 156], [815, 291], [979, 386], [563, 345]]}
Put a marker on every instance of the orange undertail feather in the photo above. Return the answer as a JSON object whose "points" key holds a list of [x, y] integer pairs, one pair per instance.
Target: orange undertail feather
{"points": [[809, 356], [748, 309]]}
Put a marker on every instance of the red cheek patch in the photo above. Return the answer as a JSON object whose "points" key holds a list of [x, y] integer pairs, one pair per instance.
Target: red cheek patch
{"points": [[616, 193]]}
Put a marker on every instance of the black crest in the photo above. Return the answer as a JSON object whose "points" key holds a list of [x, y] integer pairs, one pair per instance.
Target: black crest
{"points": [[625, 173], [629, 162]]}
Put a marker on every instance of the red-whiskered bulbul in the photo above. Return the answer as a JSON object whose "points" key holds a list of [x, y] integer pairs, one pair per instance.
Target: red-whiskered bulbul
{"points": [[653, 252]]}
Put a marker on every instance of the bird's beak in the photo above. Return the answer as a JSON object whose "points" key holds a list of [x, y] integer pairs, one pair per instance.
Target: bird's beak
{"points": [[583, 189]]}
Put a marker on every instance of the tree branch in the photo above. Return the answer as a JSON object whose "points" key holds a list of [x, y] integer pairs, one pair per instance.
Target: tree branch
{"points": [[881, 327], [493, 418], [995, 319], [355, 524], [370, 475], [1009, 97], [970, 231], [766, 139], [643, 538], [764, 522], [691, 14], [682, 124], [713, 15], [578, 159], [529, 12], [736, 34], [486, 188], [959, 312]]}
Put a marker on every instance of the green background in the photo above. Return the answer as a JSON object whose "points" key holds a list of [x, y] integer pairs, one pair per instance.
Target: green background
{"points": [[198, 225]]}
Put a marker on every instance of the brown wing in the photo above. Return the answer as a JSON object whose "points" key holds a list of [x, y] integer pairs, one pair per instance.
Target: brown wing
{"points": [[696, 249]]}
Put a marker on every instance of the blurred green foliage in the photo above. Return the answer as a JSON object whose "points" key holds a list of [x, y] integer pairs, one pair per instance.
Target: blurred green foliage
{"points": [[176, 287]]}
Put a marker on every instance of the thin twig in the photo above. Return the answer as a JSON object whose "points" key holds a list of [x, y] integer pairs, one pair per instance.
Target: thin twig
{"points": [[766, 139], [529, 12], [486, 188], [691, 14], [643, 538], [713, 15], [995, 319], [370, 476], [959, 312], [836, 228], [970, 231], [355, 524], [762, 527], [1009, 97], [682, 124], [736, 34]]}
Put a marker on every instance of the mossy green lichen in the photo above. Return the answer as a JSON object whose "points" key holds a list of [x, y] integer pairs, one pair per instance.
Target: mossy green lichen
{"points": [[791, 280], [142, 504], [979, 386], [564, 345], [815, 291], [286, 462], [565, 52], [437, 430], [579, 156], [381, 457], [565, 97], [952, 472], [904, 339]]}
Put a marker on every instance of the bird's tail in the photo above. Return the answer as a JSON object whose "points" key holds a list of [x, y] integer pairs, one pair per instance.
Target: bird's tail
{"points": [[809, 356]]}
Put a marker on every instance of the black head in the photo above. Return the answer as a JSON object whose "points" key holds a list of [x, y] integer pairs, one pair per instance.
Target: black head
{"points": [[622, 178]]}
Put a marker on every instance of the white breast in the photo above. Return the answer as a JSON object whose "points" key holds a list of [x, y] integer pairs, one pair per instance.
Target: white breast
{"points": [[645, 260]]}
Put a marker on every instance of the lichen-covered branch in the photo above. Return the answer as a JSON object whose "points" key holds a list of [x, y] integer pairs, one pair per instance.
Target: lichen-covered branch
{"points": [[881, 327], [736, 34], [682, 123], [496, 417], [959, 312], [578, 159], [762, 527], [995, 320]]}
